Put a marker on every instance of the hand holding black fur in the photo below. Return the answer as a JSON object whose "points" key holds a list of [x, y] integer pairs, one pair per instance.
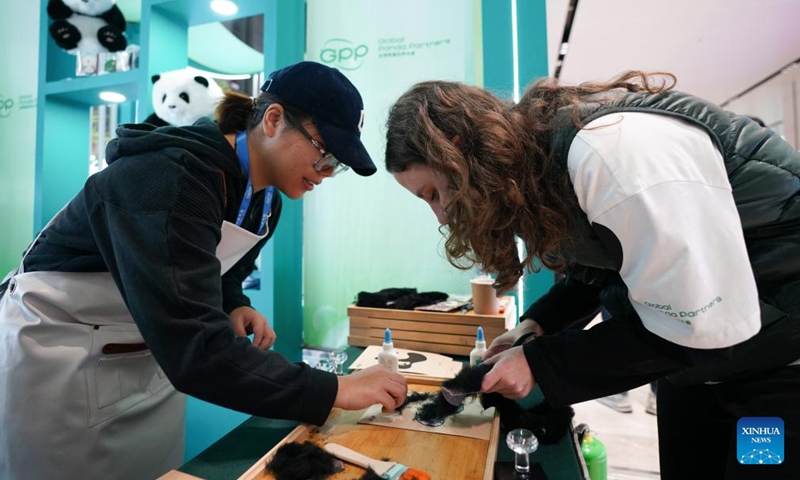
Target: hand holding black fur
{"points": [[548, 423]]}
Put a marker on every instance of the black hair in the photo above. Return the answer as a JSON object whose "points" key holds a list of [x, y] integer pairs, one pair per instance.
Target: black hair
{"points": [[237, 112]]}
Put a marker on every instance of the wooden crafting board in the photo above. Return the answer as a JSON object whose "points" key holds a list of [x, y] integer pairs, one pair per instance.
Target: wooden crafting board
{"points": [[443, 457]]}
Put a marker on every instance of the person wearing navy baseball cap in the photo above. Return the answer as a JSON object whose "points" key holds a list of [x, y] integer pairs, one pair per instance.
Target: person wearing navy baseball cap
{"points": [[335, 107], [305, 126], [160, 243]]}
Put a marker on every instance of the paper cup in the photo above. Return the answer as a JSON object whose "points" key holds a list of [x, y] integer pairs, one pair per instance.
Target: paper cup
{"points": [[484, 296]]}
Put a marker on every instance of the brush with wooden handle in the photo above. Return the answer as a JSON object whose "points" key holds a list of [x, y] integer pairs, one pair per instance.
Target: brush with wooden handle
{"points": [[387, 470]]}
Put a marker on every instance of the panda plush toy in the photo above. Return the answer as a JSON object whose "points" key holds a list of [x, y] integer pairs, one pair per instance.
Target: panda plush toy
{"points": [[181, 97], [87, 27]]}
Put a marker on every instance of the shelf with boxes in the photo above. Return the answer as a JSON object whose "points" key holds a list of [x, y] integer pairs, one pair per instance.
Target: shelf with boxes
{"points": [[449, 333]]}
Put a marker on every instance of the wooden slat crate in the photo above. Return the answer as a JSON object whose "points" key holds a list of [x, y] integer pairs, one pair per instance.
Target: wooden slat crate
{"points": [[450, 333]]}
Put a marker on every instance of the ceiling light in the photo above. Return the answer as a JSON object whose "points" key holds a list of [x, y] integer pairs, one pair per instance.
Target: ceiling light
{"points": [[112, 97], [224, 7]]}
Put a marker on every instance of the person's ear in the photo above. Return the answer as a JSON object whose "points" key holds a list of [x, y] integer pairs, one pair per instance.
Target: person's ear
{"points": [[457, 141], [273, 117]]}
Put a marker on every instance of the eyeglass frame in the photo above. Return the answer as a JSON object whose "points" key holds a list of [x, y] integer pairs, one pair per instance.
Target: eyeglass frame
{"points": [[337, 167]]}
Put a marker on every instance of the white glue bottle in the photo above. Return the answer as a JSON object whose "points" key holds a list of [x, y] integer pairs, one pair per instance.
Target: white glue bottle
{"points": [[476, 355], [388, 356]]}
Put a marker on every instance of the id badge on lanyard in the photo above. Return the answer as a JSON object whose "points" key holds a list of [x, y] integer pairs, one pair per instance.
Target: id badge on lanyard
{"points": [[244, 161]]}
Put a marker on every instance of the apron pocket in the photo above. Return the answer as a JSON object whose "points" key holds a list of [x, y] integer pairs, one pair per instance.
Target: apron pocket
{"points": [[115, 381]]}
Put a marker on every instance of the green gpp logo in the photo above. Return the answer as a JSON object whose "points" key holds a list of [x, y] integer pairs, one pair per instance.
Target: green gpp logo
{"points": [[344, 54], [6, 104]]}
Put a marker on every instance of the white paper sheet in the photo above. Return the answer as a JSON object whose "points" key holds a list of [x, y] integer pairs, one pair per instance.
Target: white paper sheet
{"points": [[412, 362], [473, 421]]}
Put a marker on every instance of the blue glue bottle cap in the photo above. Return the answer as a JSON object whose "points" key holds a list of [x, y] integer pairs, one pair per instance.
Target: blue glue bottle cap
{"points": [[388, 355], [476, 355]]}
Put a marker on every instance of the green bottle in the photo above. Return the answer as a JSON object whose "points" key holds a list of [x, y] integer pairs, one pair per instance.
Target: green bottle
{"points": [[594, 454]]}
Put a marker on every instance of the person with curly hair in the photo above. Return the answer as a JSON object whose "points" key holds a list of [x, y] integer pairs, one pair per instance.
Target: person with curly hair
{"points": [[679, 218]]}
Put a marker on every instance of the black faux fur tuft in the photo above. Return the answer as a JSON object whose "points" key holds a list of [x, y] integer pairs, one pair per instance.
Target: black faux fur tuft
{"points": [[371, 475], [434, 412], [414, 397], [303, 461], [468, 380]]}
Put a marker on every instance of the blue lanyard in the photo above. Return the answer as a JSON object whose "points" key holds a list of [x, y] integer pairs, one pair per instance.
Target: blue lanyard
{"points": [[244, 161]]}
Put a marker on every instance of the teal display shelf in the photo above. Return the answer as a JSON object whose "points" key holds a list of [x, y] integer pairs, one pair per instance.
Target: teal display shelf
{"points": [[86, 90]]}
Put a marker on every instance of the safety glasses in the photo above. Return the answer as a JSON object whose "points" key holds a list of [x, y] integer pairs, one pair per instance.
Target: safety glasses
{"points": [[326, 162]]}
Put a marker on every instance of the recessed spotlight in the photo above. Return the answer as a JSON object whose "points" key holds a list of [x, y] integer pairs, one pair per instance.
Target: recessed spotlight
{"points": [[224, 7], [112, 97]]}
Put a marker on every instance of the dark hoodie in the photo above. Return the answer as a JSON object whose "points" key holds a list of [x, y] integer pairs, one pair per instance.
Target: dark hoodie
{"points": [[153, 219]]}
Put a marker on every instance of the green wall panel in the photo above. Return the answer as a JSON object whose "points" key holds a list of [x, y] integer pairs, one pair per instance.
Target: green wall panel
{"points": [[498, 58], [498, 61], [532, 40], [64, 164], [368, 233], [164, 46], [19, 56], [284, 44]]}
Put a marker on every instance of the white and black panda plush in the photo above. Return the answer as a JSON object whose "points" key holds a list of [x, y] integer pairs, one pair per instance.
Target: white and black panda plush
{"points": [[87, 26], [181, 97]]}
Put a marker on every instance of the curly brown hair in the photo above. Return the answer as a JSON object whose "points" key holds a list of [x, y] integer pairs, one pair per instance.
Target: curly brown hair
{"points": [[504, 181]]}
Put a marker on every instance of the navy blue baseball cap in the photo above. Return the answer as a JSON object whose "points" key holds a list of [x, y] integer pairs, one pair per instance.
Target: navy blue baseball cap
{"points": [[335, 107]]}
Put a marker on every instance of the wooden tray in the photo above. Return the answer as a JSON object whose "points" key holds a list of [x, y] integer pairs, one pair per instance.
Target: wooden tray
{"points": [[450, 333], [441, 456]]}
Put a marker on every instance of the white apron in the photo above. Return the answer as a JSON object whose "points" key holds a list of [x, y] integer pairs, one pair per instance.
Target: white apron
{"points": [[81, 396]]}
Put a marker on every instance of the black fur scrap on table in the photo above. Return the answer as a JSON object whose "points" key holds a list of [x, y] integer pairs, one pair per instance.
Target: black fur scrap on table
{"points": [[415, 397], [307, 461], [303, 461]]}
